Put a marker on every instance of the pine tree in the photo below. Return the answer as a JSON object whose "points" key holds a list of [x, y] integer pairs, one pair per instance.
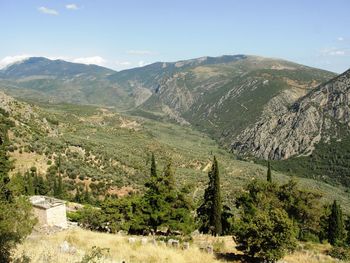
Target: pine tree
{"points": [[87, 198], [55, 187], [153, 166], [60, 187], [30, 185], [336, 233], [154, 200], [217, 206], [168, 177], [16, 220], [77, 197], [163, 205], [210, 212], [269, 176]]}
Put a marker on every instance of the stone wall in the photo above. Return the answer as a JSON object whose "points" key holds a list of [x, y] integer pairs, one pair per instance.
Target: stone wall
{"points": [[41, 215], [53, 216], [56, 216]]}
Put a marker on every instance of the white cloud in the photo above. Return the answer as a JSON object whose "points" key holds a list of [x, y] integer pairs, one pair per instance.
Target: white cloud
{"points": [[337, 53], [340, 39], [139, 52], [333, 52], [97, 60], [48, 11], [8, 60], [72, 7], [141, 63]]}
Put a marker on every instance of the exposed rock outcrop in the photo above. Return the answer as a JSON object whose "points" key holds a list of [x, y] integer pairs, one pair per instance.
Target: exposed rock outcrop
{"points": [[284, 132]]}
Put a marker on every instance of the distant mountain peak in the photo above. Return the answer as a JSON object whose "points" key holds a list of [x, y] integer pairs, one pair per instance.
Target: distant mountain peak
{"points": [[43, 66]]}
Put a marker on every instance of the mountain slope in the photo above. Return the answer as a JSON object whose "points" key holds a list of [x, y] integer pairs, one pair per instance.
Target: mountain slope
{"points": [[110, 152], [225, 97], [220, 96], [40, 66], [315, 127], [42, 79]]}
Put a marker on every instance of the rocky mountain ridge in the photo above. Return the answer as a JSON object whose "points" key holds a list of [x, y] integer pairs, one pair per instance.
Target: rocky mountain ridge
{"points": [[321, 115], [220, 96]]}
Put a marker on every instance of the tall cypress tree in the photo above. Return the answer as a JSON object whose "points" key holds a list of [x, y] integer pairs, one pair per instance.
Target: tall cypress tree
{"points": [[153, 200], [217, 206], [77, 197], [336, 231], [60, 187], [153, 166], [269, 176], [87, 198], [55, 188], [30, 185], [210, 212]]}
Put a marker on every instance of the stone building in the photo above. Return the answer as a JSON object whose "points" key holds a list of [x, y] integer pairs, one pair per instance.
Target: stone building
{"points": [[49, 211]]}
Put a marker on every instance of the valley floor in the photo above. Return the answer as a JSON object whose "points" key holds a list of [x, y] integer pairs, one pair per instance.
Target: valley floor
{"points": [[48, 248]]}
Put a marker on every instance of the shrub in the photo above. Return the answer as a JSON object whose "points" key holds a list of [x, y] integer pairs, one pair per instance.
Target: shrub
{"points": [[341, 253], [268, 235]]}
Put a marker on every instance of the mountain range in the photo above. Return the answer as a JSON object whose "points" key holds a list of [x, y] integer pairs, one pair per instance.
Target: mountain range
{"points": [[256, 107], [219, 95]]}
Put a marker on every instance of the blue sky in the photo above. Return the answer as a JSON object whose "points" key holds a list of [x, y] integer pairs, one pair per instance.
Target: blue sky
{"points": [[130, 33]]}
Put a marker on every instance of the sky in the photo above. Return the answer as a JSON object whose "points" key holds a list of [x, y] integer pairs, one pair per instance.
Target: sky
{"points": [[132, 33]]}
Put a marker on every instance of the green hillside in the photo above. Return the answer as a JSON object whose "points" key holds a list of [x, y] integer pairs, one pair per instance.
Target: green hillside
{"points": [[222, 99], [111, 152]]}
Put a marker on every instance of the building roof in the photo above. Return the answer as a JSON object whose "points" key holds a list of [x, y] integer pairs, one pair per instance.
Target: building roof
{"points": [[45, 202]]}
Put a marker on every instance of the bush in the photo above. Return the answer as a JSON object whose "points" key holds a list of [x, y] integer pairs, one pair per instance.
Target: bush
{"points": [[341, 253], [267, 235], [96, 254], [15, 224]]}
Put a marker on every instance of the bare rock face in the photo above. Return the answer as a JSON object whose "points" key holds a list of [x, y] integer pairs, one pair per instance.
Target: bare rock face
{"points": [[283, 132]]}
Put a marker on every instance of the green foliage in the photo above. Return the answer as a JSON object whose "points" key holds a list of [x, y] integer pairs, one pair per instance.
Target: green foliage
{"points": [[16, 220], [124, 214], [342, 253], [91, 218], [268, 235], [227, 220], [210, 212], [329, 162], [336, 231], [304, 208], [153, 167], [95, 255], [347, 229], [272, 217], [163, 204], [269, 176]]}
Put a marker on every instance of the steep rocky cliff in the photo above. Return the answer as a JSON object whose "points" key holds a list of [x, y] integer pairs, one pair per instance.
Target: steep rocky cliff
{"points": [[225, 97], [284, 131]]}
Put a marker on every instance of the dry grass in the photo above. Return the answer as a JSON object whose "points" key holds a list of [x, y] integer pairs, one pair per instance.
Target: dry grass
{"points": [[45, 248]]}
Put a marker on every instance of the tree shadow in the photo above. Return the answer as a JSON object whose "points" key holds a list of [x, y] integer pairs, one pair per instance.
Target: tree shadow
{"points": [[232, 257]]}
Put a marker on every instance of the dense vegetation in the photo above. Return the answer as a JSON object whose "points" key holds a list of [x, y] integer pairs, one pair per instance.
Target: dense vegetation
{"points": [[161, 206], [99, 151], [329, 162], [16, 221], [269, 220], [84, 161]]}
